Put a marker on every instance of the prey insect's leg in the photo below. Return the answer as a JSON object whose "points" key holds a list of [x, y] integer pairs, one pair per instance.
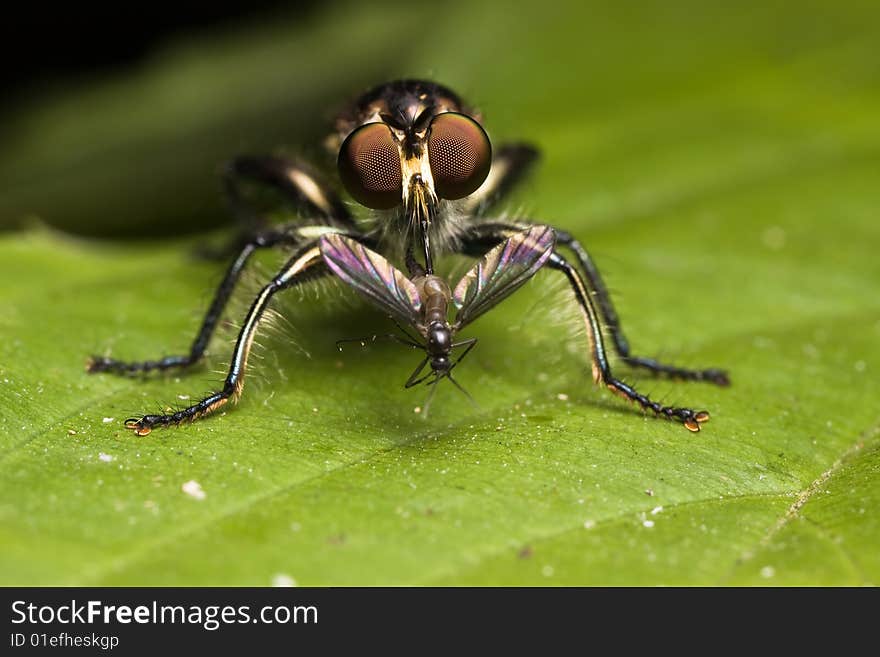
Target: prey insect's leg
{"points": [[599, 292], [414, 379], [306, 264], [379, 336], [408, 335], [469, 344], [510, 165], [292, 179], [212, 317]]}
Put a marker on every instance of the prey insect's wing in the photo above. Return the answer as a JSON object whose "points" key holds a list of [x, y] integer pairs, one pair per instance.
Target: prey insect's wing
{"points": [[373, 276], [501, 271]]}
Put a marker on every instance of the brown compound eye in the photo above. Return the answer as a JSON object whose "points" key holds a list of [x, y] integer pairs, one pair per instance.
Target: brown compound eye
{"points": [[460, 155], [369, 165]]}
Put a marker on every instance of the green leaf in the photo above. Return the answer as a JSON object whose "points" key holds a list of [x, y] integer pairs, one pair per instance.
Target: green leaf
{"points": [[720, 164]]}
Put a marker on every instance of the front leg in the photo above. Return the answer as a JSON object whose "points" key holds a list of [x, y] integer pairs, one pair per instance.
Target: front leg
{"points": [[306, 264], [598, 356], [487, 232]]}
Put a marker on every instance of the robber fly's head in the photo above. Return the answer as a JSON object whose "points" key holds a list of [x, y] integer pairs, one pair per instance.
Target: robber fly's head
{"points": [[411, 144]]}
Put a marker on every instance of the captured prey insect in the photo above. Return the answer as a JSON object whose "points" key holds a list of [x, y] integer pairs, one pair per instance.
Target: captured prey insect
{"points": [[415, 155], [423, 302]]}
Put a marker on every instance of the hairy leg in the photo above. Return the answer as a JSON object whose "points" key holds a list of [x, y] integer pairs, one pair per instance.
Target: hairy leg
{"points": [[267, 239], [489, 232], [306, 264], [601, 369]]}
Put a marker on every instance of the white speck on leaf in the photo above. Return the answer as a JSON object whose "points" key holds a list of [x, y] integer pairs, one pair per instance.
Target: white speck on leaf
{"points": [[283, 580], [767, 572], [648, 523], [105, 457], [656, 510], [193, 489], [107, 420]]}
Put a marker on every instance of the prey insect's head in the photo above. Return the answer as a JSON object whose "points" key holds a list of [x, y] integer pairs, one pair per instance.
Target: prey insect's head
{"points": [[438, 348], [411, 144]]}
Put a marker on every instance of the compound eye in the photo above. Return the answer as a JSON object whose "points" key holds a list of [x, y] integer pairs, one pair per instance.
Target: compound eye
{"points": [[460, 155], [369, 165]]}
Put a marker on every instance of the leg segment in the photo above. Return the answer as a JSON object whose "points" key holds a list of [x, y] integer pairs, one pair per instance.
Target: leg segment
{"points": [[599, 292], [380, 336], [209, 323], [598, 357], [601, 370], [468, 344], [305, 265], [609, 314], [510, 165], [294, 180]]}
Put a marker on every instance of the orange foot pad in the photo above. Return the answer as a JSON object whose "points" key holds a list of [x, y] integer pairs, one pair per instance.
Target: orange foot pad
{"points": [[693, 424], [138, 428]]}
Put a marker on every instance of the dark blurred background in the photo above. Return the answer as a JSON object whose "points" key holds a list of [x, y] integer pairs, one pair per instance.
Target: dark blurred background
{"points": [[115, 122], [77, 66], [78, 42]]}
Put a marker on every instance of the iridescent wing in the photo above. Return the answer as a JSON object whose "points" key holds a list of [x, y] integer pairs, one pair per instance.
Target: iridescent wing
{"points": [[501, 271], [373, 276]]}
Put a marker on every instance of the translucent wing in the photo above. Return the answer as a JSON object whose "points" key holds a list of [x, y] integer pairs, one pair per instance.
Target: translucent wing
{"points": [[501, 271], [373, 276]]}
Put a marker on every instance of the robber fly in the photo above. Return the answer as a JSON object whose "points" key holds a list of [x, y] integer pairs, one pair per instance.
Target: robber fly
{"points": [[418, 158]]}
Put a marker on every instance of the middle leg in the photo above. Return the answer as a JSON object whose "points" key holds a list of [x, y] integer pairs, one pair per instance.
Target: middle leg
{"points": [[264, 240], [599, 361], [601, 368], [491, 232]]}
